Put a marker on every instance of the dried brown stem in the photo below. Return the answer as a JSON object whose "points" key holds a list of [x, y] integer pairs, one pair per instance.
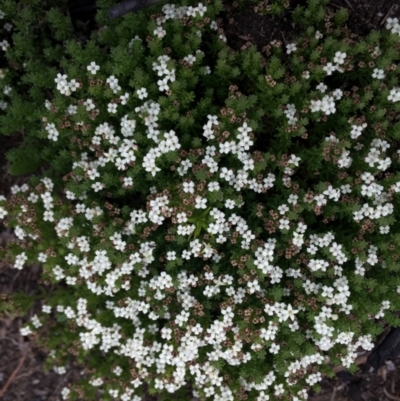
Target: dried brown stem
{"points": [[14, 373]]}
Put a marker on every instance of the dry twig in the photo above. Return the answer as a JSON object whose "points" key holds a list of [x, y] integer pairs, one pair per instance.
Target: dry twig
{"points": [[14, 373], [391, 396], [387, 15]]}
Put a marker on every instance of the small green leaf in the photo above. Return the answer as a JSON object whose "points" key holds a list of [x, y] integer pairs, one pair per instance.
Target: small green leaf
{"points": [[27, 166], [61, 318]]}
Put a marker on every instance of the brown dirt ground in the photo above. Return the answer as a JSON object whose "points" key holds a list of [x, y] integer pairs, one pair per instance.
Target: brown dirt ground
{"points": [[21, 361]]}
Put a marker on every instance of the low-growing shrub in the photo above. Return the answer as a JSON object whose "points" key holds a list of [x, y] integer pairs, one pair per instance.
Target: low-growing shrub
{"points": [[215, 218]]}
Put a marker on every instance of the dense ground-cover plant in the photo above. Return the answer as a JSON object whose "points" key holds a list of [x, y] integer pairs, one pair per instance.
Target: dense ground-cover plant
{"points": [[215, 218]]}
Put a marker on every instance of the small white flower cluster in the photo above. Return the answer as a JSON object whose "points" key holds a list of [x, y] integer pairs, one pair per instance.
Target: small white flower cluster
{"points": [[393, 25], [374, 154], [113, 83], [64, 86], [25, 331], [264, 256], [163, 70], [356, 130], [20, 261], [48, 205], [60, 370], [170, 143], [53, 132], [207, 128], [200, 9], [339, 58], [290, 113], [63, 226], [15, 189], [280, 310], [363, 341], [102, 276], [46, 308], [36, 322], [385, 305], [96, 382], [326, 105], [65, 392], [270, 333]]}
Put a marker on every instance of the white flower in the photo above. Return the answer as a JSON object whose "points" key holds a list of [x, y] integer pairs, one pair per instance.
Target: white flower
{"points": [[3, 212], [339, 57], [188, 187], [293, 199], [93, 67], [337, 94], [294, 160], [318, 35], [262, 396], [284, 224], [384, 229], [162, 84], [244, 129], [97, 186], [356, 131], [112, 108], [4, 45], [65, 393], [160, 32], [329, 68], [288, 313], [52, 130], [124, 98], [7, 89], [283, 209], [394, 95], [74, 85], [142, 93], [253, 286], [279, 389], [378, 74], [212, 120], [152, 169], [213, 186], [274, 349], [72, 109], [229, 203], [322, 87], [291, 47], [200, 203], [190, 59], [201, 9], [391, 23], [88, 103]]}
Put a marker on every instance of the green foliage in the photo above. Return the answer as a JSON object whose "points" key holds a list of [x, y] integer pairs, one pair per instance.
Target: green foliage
{"points": [[296, 233]]}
